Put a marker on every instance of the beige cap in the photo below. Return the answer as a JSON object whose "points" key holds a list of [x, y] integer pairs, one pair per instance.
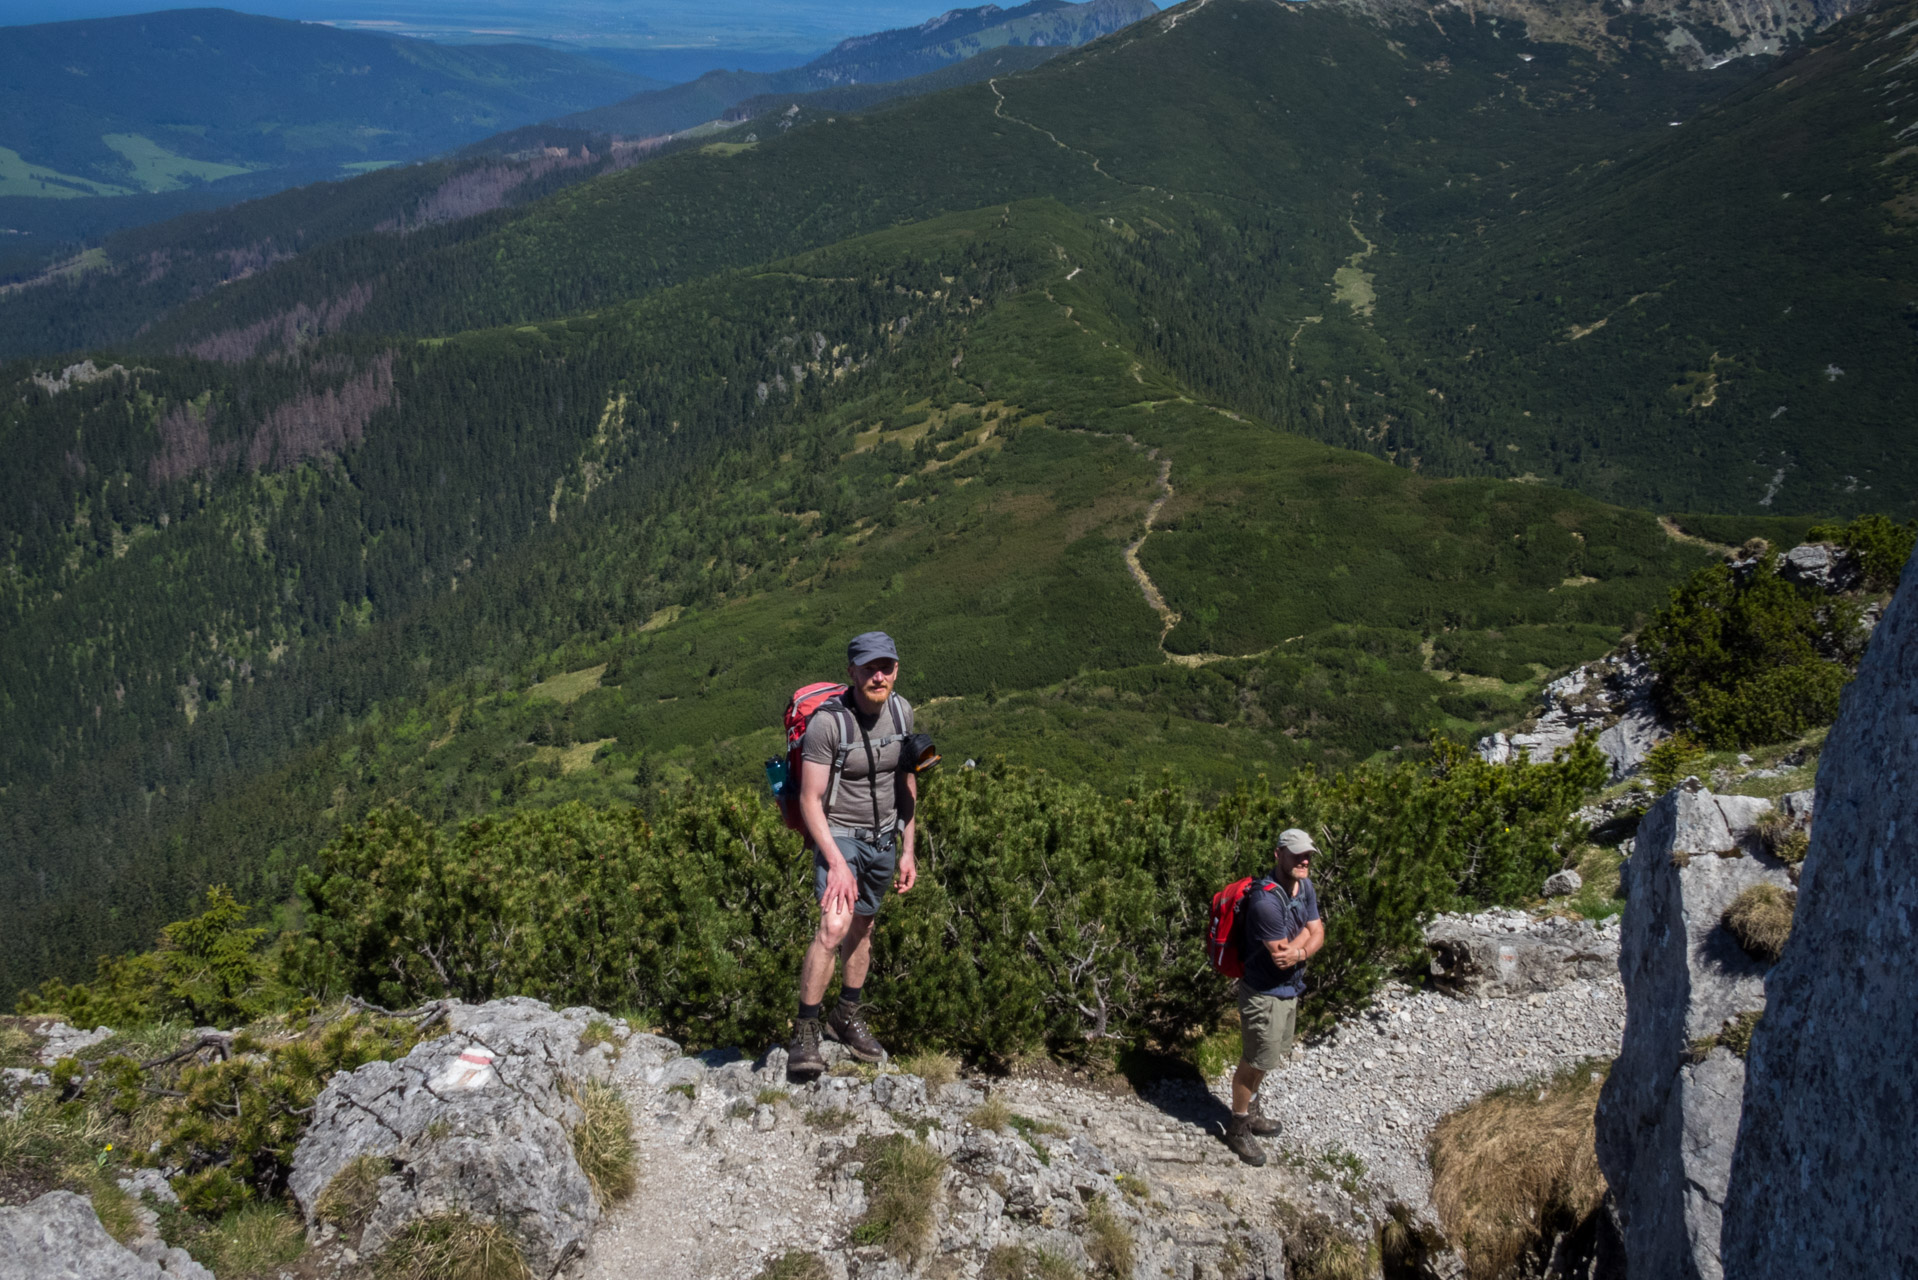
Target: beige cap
{"points": [[1295, 841]]}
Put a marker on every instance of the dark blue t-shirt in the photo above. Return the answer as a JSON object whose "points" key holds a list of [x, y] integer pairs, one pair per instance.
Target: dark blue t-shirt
{"points": [[1268, 914]]}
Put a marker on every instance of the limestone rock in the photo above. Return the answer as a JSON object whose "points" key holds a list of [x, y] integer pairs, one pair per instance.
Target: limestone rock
{"points": [[1824, 1182], [59, 1237], [1796, 805], [1611, 697], [1822, 565], [1477, 956], [1563, 884], [62, 1041], [1665, 1124], [477, 1121]]}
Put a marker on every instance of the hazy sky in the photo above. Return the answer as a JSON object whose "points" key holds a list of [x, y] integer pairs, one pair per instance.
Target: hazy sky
{"points": [[644, 24]]}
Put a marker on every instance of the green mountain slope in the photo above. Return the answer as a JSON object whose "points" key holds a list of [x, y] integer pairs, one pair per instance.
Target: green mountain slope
{"points": [[1405, 191], [694, 551], [1167, 401]]}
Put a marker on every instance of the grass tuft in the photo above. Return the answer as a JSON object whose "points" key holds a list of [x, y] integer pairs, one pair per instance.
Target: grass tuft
{"points": [[1134, 1186], [255, 1238], [1735, 1035], [41, 1133], [1017, 1262], [831, 1119], [1760, 918], [451, 1246], [795, 1264], [937, 1069], [1516, 1168], [1030, 1129], [603, 1141], [770, 1097], [991, 1114], [1109, 1240], [902, 1180], [599, 1031], [111, 1205], [19, 1047], [1218, 1052], [349, 1200], [1316, 1249]]}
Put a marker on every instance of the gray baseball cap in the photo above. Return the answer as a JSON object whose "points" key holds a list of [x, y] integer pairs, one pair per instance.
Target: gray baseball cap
{"points": [[870, 646], [1295, 842]]}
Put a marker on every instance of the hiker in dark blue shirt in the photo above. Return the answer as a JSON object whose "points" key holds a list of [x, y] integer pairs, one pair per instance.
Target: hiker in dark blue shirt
{"points": [[1280, 928]]}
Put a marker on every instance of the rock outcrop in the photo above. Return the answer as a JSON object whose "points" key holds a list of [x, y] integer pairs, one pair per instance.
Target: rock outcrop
{"points": [[1508, 953], [59, 1237], [1824, 1182], [1668, 1116], [1611, 697], [477, 1122]]}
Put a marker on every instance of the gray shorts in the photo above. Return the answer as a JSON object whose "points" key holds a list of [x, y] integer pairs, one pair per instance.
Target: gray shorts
{"points": [[1266, 1025], [871, 865]]}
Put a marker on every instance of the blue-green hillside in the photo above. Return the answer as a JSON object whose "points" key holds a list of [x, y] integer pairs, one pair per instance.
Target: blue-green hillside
{"points": [[1255, 388], [210, 104]]}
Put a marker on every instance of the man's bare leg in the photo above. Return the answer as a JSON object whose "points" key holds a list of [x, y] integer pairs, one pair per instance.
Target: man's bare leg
{"points": [[855, 952], [846, 1024], [815, 972], [1245, 1087]]}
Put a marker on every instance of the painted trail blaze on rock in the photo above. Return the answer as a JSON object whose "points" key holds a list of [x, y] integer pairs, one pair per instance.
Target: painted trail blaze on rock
{"points": [[473, 1069], [461, 1146], [1824, 1181]]}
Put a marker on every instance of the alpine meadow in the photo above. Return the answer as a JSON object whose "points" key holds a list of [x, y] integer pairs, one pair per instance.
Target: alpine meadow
{"points": [[1233, 418]]}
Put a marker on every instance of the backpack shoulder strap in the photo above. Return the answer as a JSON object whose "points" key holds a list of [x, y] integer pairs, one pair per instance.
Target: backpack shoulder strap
{"points": [[848, 726]]}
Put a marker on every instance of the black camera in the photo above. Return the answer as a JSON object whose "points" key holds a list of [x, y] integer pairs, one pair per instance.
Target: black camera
{"points": [[921, 755]]}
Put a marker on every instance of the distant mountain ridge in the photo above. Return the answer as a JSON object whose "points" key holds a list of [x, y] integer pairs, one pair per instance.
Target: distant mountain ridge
{"points": [[882, 57], [960, 33], [168, 102]]}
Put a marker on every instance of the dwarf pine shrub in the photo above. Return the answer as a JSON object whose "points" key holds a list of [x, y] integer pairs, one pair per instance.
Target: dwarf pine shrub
{"points": [[1748, 658], [1048, 916]]}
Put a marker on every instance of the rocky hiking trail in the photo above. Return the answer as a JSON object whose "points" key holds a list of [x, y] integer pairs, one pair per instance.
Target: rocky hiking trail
{"points": [[728, 1181], [738, 1166]]}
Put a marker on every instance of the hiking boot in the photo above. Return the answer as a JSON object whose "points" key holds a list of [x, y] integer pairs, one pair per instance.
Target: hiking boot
{"points": [[848, 1027], [1238, 1136], [803, 1058], [1256, 1121]]}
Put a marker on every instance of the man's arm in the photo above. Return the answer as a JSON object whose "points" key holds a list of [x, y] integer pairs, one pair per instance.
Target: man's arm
{"points": [[841, 890], [908, 833], [1301, 946]]}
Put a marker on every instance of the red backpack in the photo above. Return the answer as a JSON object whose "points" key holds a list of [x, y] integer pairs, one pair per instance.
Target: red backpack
{"points": [[782, 775], [1222, 937]]}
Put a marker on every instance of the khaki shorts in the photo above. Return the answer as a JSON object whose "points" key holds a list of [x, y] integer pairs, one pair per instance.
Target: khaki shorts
{"points": [[1266, 1024]]}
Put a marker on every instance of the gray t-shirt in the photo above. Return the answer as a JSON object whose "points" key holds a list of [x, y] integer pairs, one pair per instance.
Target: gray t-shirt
{"points": [[852, 809]]}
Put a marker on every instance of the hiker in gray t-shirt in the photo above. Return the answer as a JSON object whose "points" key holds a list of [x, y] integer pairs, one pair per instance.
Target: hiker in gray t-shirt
{"points": [[859, 822]]}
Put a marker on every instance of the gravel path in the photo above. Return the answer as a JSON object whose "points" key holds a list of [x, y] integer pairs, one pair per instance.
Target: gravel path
{"points": [[726, 1183], [718, 1196], [1378, 1085]]}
